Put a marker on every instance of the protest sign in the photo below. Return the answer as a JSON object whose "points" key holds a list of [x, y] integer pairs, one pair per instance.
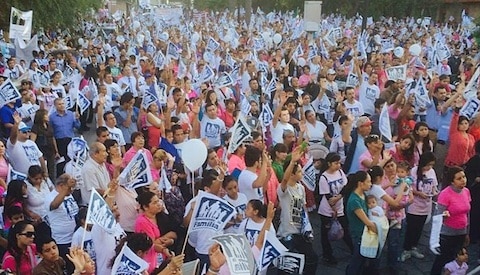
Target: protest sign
{"points": [[224, 80], [309, 175], [15, 175], [83, 103], [211, 213], [8, 92], [471, 107], [397, 73], [127, 262], [271, 249], [137, 173], [20, 24], [291, 263], [99, 212], [238, 253], [241, 131]]}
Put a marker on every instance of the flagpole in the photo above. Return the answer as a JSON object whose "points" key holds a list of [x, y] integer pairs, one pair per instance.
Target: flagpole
{"points": [[87, 218]]}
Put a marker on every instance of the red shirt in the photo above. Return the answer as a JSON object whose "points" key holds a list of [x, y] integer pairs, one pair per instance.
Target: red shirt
{"points": [[461, 147]]}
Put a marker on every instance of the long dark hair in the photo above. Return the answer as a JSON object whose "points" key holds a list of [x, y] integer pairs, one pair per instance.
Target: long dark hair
{"points": [[12, 246], [352, 183], [136, 242], [425, 159], [410, 152], [260, 207], [14, 193], [331, 157], [426, 140]]}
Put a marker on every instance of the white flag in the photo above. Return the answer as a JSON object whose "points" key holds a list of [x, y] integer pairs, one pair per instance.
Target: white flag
{"points": [[8, 92], [272, 248], [272, 87], [159, 59], [83, 103], [207, 74], [238, 253], [470, 108], [291, 262], [212, 44], [161, 90], [397, 73], [172, 51], [148, 99], [224, 80], [240, 132], [309, 175], [164, 183], [99, 213], [298, 52], [137, 173], [473, 85], [266, 116], [384, 124], [127, 262]]}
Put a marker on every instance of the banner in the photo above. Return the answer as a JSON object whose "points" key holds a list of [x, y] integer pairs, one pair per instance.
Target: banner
{"points": [[210, 213], [272, 248], [240, 132], [397, 73], [127, 262], [77, 150], [99, 213], [23, 51], [292, 263], [309, 175], [238, 253], [387, 45], [8, 92], [137, 173], [20, 24], [161, 90], [384, 124]]}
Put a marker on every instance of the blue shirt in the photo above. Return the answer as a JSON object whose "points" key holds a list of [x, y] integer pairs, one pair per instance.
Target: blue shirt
{"points": [[444, 121], [63, 124], [6, 116], [359, 150]]}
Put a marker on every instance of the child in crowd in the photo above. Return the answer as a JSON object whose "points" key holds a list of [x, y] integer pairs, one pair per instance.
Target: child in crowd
{"points": [[403, 171], [236, 199], [78, 234], [458, 266], [373, 208]]}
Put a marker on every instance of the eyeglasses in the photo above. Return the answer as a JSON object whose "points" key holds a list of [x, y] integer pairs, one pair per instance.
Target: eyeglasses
{"points": [[28, 234]]}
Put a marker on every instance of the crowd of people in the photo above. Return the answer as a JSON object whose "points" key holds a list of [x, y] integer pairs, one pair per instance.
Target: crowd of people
{"points": [[427, 164]]}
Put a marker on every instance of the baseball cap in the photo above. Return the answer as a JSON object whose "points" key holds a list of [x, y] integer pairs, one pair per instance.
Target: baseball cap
{"points": [[22, 127], [331, 71], [363, 121]]}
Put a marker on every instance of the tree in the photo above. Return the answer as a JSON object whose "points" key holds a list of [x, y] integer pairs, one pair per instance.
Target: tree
{"points": [[51, 13]]}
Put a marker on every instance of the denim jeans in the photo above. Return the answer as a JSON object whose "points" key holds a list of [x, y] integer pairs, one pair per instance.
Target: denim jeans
{"points": [[355, 267]]}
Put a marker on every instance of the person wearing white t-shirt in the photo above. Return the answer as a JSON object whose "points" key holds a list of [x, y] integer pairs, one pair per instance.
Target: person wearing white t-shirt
{"points": [[113, 90], [352, 105], [251, 183], [211, 127], [21, 151], [368, 93], [109, 121], [281, 117], [61, 212]]}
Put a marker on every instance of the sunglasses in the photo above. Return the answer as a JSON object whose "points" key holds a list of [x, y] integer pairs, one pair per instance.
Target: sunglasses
{"points": [[26, 132], [28, 234]]}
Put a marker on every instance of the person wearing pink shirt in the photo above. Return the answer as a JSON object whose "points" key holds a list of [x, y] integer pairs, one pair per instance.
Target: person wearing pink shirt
{"points": [[138, 143], [236, 162]]}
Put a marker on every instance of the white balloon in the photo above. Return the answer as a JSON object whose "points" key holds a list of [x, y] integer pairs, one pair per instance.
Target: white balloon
{"points": [[301, 61], [136, 24], [164, 36], [398, 52], [415, 50], [81, 41], [277, 38], [194, 154], [195, 37]]}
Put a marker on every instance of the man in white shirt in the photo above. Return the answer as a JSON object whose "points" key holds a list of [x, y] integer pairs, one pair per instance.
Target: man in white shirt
{"points": [[281, 117], [113, 90], [251, 183], [352, 105], [94, 172], [212, 127], [368, 93], [23, 152]]}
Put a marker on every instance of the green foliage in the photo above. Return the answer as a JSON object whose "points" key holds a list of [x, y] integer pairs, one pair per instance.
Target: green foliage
{"points": [[49, 13]]}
